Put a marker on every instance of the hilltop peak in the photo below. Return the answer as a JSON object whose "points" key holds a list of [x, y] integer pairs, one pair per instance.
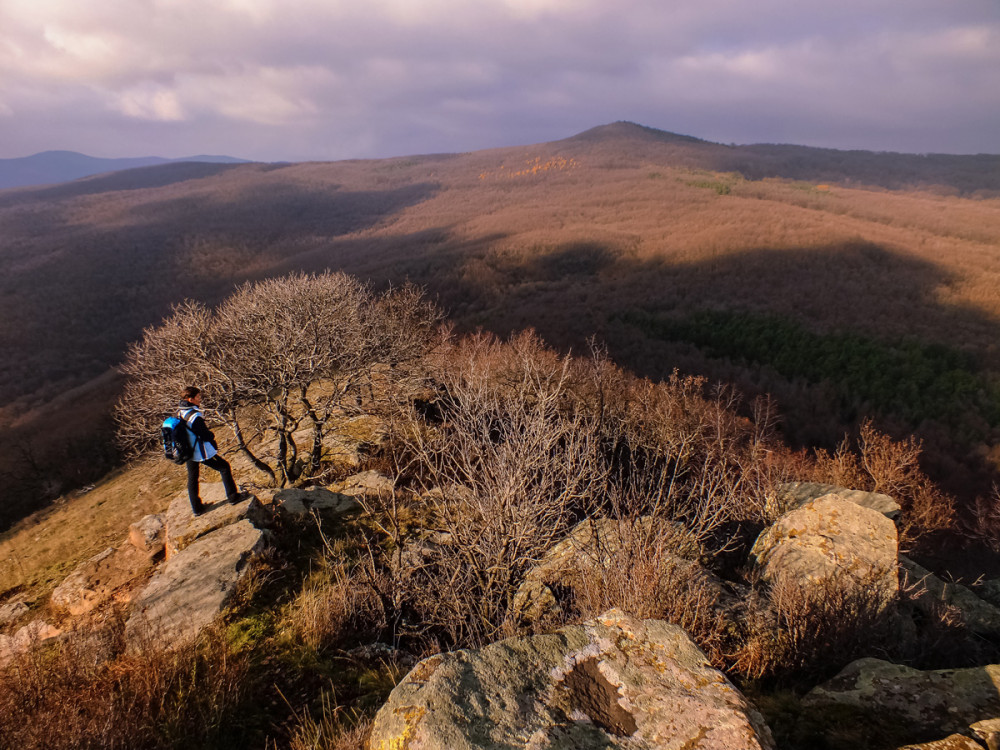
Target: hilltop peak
{"points": [[633, 131]]}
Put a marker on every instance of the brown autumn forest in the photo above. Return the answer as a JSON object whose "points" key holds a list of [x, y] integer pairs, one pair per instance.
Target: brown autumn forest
{"points": [[845, 284]]}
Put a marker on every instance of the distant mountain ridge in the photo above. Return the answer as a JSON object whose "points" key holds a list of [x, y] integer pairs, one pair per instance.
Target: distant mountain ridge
{"points": [[50, 167]]}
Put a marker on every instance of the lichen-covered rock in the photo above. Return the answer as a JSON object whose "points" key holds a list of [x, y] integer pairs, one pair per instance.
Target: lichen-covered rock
{"points": [[795, 494], [149, 534], [928, 593], [300, 502], [95, 581], [829, 539], [942, 701], [613, 682], [183, 527], [594, 545], [191, 588], [953, 742]]}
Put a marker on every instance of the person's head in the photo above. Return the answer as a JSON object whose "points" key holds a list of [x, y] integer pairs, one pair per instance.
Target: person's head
{"points": [[192, 394]]}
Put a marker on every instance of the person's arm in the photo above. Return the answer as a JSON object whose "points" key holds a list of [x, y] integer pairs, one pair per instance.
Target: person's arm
{"points": [[201, 431]]}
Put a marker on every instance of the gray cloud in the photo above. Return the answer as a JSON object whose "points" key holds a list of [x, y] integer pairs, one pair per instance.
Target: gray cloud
{"points": [[324, 79]]}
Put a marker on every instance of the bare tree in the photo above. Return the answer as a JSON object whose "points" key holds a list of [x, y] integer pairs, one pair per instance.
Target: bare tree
{"points": [[278, 360]]}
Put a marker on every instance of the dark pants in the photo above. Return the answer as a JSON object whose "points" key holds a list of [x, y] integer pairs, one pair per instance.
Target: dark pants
{"points": [[218, 463]]}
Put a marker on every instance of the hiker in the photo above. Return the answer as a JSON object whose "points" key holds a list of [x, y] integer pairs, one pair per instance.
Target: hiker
{"points": [[205, 451]]}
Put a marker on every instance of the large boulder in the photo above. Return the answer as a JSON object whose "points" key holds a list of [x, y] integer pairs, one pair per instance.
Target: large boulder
{"points": [[183, 527], [595, 544], [193, 586], [939, 701], [830, 539], [96, 580], [613, 682], [795, 494], [929, 593]]}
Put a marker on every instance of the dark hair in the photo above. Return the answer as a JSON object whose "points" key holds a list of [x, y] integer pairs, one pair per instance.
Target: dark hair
{"points": [[190, 392]]}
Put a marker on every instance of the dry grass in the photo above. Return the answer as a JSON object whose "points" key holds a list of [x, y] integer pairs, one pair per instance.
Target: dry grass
{"points": [[78, 694], [807, 630], [37, 553]]}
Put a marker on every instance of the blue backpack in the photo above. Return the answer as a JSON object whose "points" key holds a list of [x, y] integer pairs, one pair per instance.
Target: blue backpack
{"points": [[176, 440]]}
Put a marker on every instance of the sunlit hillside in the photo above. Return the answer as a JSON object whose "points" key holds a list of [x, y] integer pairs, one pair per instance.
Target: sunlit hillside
{"points": [[846, 284]]}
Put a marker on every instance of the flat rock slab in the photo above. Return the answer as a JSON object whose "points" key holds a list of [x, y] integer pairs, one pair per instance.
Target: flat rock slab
{"points": [[365, 483], [939, 701], [794, 494], [831, 538], [183, 527], [192, 587], [613, 682], [300, 502], [96, 580], [930, 592]]}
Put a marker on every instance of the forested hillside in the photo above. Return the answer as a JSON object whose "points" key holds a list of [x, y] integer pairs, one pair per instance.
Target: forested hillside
{"points": [[844, 284]]}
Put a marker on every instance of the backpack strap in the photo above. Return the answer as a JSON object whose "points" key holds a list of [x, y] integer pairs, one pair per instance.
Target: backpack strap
{"points": [[189, 416]]}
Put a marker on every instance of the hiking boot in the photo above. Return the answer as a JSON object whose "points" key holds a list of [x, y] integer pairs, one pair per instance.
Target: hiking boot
{"points": [[198, 510], [239, 497]]}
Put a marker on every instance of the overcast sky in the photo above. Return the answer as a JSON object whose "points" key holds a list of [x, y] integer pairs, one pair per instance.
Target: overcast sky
{"points": [[333, 79]]}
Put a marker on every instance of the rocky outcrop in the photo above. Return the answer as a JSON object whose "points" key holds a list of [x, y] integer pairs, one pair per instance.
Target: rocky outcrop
{"points": [[95, 581], [831, 539], [613, 682], [593, 545], [149, 534], [795, 494], [27, 637], [183, 527], [929, 593], [941, 701], [192, 587], [301, 502]]}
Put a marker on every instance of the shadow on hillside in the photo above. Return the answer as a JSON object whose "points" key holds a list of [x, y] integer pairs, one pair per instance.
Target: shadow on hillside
{"points": [[864, 312], [129, 179], [104, 285]]}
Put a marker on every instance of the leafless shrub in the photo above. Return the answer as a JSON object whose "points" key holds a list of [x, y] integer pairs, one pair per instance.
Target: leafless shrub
{"points": [[985, 524], [884, 465], [798, 627], [511, 464], [278, 360], [693, 459], [642, 570]]}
